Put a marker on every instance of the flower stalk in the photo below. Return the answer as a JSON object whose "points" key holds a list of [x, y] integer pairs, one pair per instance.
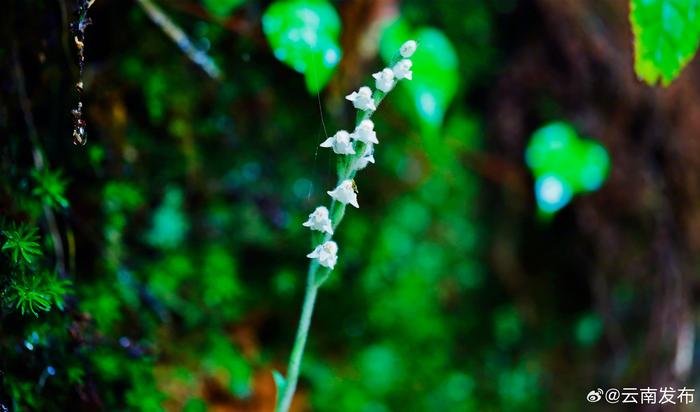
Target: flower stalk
{"points": [[355, 151]]}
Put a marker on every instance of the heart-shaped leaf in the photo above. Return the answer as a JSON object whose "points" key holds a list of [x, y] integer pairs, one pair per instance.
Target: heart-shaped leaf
{"points": [[304, 35], [666, 35], [564, 165], [435, 74]]}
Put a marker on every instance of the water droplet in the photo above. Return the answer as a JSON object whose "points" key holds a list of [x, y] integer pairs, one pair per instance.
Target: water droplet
{"points": [[79, 136], [79, 131], [78, 27]]}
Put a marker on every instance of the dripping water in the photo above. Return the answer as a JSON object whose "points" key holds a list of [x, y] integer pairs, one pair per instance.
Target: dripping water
{"points": [[78, 29]]}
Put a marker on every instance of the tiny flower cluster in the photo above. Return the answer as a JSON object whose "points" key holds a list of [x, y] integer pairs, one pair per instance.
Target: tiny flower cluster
{"points": [[360, 146]]}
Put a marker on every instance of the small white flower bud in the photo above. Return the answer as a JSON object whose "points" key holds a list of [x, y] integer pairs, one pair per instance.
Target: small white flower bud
{"points": [[345, 193], [327, 254], [384, 80], [402, 69], [366, 158], [408, 48], [318, 220], [340, 142], [362, 99], [365, 133]]}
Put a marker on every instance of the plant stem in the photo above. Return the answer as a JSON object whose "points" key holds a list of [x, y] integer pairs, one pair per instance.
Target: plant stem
{"points": [[37, 155], [176, 34], [314, 282], [300, 341]]}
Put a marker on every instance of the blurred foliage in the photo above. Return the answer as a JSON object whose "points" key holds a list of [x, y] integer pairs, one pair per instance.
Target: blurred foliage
{"points": [[50, 187], [304, 35], [222, 8], [193, 230], [435, 64], [564, 165], [666, 37]]}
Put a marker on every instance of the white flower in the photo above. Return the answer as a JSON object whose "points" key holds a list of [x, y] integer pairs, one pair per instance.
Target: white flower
{"points": [[365, 133], [340, 142], [327, 254], [345, 193], [366, 158], [318, 220], [362, 99], [402, 70], [384, 80], [408, 48]]}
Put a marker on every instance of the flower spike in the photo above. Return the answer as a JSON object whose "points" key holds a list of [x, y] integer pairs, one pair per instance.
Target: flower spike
{"points": [[359, 146]]}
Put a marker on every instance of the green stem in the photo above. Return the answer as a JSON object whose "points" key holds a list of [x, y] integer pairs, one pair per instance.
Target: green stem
{"points": [[314, 282], [285, 400], [38, 156], [176, 34]]}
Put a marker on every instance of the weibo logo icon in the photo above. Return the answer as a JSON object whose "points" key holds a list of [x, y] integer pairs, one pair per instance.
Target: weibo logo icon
{"points": [[594, 395]]}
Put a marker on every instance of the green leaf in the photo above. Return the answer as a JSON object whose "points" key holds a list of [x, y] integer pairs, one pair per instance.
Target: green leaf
{"points": [[666, 35], [435, 69], [32, 293], [280, 383], [222, 356], [304, 34], [222, 8], [170, 224], [22, 243], [588, 329], [564, 165], [50, 187]]}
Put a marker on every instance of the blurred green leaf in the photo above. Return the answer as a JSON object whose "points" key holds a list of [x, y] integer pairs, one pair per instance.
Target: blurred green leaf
{"points": [[507, 326], [666, 35], [222, 8], [435, 69], [219, 278], [381, 368], [564, 165], [102, 304], [121, 196], [589, 329], [195, 405], [221, 355], [50, 187], [170, 224], [304, 35]]}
